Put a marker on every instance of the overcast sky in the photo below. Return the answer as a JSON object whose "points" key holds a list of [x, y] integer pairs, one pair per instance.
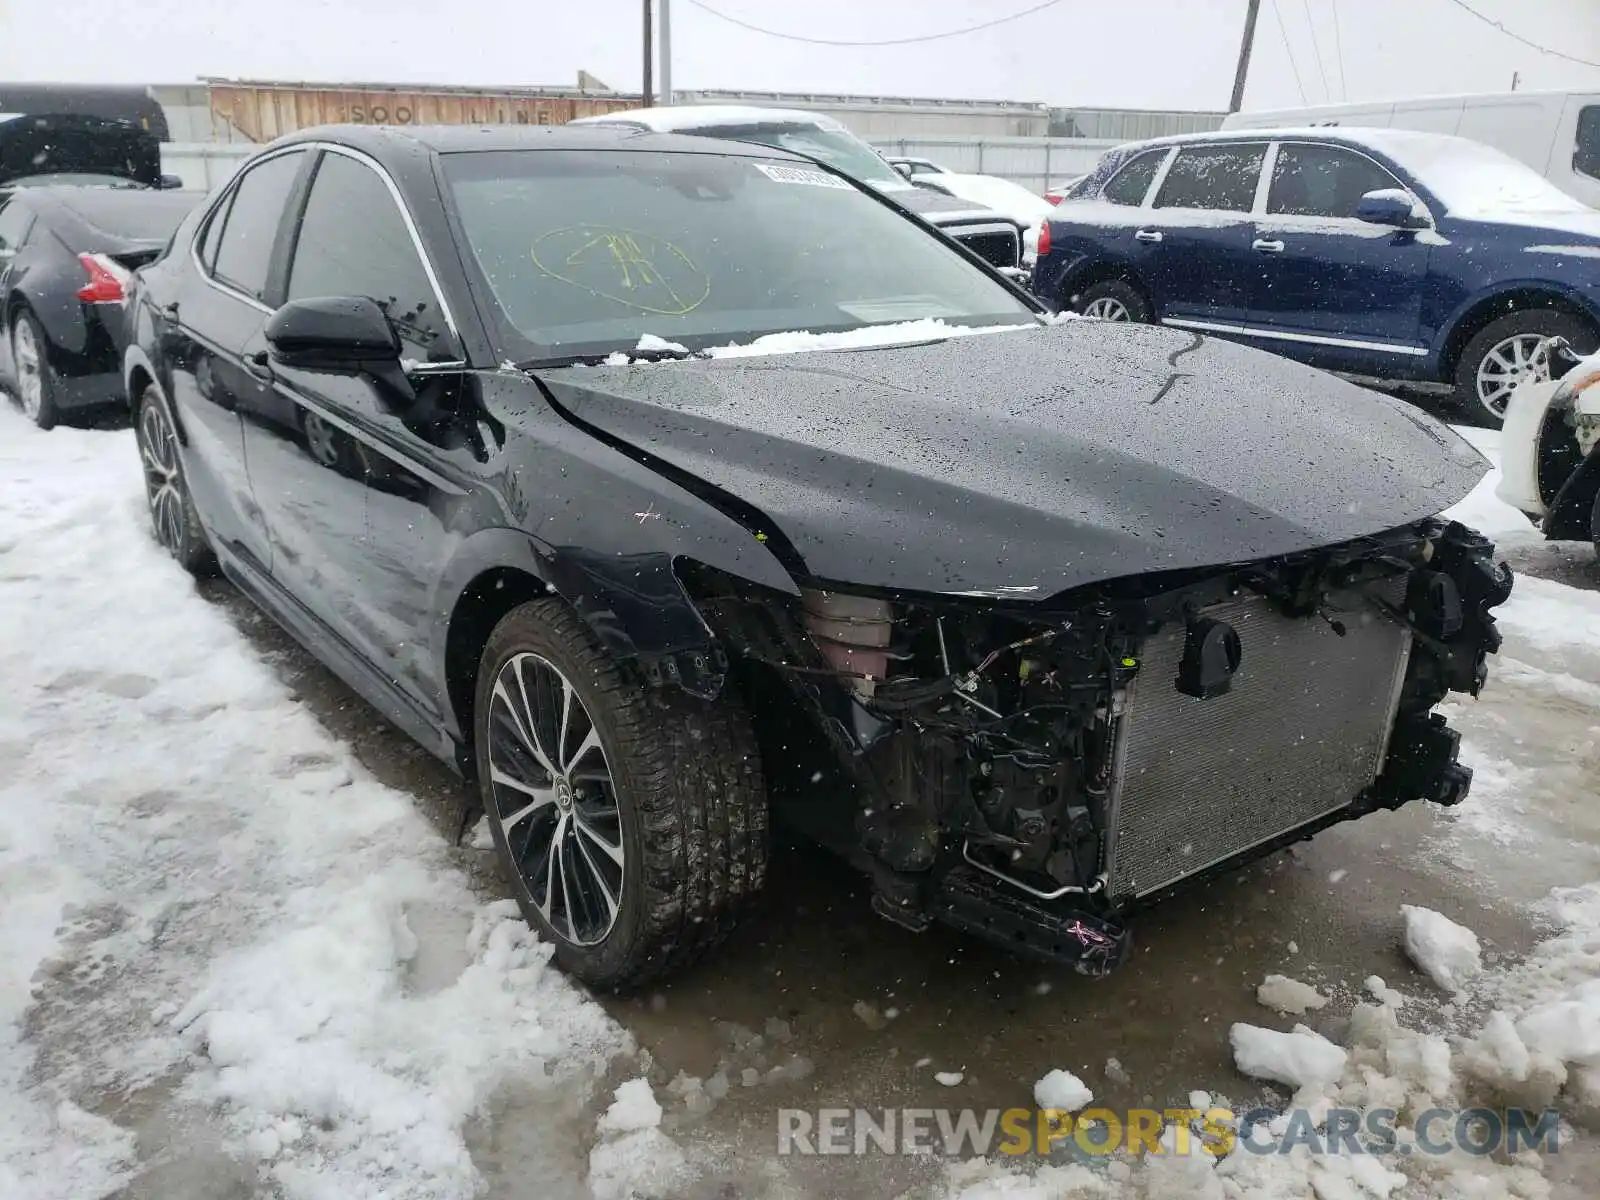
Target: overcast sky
{"points": [[1122, 53]]}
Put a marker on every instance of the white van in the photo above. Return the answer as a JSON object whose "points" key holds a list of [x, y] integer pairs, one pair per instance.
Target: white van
{"points": [[1555, 133]]}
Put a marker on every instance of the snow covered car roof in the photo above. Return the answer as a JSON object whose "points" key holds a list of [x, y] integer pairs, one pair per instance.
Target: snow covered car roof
{"points": [[674, 118]]}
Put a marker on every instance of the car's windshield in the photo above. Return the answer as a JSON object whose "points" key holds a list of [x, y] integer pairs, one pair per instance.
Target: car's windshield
{"points": [[836, 147], [1478, 182], [586, 253]]}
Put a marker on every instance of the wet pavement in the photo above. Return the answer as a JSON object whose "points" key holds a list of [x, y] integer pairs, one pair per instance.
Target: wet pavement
{"points": [[874, 1011]]}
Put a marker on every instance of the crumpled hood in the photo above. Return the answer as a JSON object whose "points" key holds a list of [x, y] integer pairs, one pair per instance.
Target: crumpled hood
{"points": [[1029, 462]]}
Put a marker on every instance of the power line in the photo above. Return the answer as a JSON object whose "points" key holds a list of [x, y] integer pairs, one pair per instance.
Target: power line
{"points": [[1289, 50], [905, 41], [1338, 47], [1517, 37], [1316, 50]]}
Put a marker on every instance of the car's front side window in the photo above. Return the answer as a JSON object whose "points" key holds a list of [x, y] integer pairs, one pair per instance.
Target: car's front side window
{"points": [[1219, 178], [1132, 183], [1309, 180], [244, 247], [352, 241]]}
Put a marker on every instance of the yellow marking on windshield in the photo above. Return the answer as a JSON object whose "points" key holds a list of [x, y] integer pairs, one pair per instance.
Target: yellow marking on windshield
{"points": [[635, 269]]}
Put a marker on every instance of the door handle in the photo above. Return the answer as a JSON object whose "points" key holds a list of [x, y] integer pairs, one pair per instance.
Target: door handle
{"points": [[1148, 235], [259, 365], [1266, 247]]}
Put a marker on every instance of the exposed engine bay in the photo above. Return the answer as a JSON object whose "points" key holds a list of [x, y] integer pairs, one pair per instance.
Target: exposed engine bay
{"points": [[1034, 771]]}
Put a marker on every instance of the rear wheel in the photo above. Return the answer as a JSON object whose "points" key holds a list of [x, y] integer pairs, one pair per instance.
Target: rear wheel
{"points": [[36, 384], [631, 822], [1509, 351], [1113, 300], [172, 512]]}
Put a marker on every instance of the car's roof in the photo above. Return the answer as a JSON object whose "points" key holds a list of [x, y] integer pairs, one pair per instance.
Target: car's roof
{"points": [[1380, 139], [463, 139], [667, 118]]}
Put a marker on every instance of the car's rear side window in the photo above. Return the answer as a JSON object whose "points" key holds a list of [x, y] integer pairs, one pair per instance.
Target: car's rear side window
{"points": [[1131, 184], [1219, 177], [1586, 154], [244, 251], [1323, 181]]}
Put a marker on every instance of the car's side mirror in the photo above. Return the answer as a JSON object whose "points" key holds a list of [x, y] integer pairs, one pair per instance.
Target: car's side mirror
{"points": [[1394, 207], [170, 183], [332, 333], [903, 168]]}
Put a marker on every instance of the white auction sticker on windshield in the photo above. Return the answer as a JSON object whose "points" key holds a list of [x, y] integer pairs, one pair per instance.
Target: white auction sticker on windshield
{"points": [[781, 174]]}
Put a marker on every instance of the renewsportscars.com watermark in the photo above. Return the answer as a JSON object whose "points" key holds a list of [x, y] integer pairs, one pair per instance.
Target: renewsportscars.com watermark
{"points": [[1216, 1131]]}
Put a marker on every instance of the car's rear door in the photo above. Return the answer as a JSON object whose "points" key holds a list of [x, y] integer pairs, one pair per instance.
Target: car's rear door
{"points": [[1326, 284], [1199, 229], [216, 319], [356, 504]]}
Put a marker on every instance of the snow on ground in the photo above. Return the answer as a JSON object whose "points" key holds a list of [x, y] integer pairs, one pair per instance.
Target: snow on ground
{"points": [[1446, 952], [205, 900], [1062, 1090], [202, 894]]}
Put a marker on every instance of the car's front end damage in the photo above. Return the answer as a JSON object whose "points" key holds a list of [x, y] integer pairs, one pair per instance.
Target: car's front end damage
{"points": [[1074, 644], [1033, 772]]}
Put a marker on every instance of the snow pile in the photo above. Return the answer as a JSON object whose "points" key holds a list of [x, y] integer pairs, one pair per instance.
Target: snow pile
{"points": [[1446, 952], [227, 905], [1303, 1059], [633, 1157], [1289, 996], [1063, 1091]]}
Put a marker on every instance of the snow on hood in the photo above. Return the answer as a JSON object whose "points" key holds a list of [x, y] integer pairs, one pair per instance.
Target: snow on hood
{"points": [[800, 341], [1012, 199]]}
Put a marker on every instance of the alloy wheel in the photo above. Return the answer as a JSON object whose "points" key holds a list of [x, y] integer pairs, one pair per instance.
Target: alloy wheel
{"points": [[163, 481], [1107, 308], [30, 368], [1508, 364], [554, 801], [320, 440]]}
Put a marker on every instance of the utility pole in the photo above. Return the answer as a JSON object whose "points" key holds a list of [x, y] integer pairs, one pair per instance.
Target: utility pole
{"points": [[1244, 56], [648, 91], [666, 51]]}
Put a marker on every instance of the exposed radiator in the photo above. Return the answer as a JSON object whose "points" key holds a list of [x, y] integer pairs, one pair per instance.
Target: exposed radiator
{"points": [[1302, 731]]}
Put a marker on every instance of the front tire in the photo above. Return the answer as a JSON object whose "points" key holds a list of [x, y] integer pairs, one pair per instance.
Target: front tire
{"points": [[1508, 351], [630, 822], [172, 512], [1114, 300], [36, 382]]}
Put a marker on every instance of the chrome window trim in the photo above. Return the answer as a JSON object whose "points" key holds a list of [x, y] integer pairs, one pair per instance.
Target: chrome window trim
{"points": [[394, 193]]}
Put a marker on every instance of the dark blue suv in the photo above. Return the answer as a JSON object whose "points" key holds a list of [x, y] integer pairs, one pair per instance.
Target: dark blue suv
{"points": [[1376, 253]]}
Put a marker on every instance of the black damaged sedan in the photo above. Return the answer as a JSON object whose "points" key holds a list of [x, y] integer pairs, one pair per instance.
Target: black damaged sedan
{"points": [[518, 431]]}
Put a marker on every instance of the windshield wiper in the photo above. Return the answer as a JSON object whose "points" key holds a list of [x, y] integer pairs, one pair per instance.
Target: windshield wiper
{"points": [[598, 359]]}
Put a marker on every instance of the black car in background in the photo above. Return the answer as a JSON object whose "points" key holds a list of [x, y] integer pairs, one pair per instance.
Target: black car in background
{"points": [[65, 253], [43, 149], [1033, 621]]}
